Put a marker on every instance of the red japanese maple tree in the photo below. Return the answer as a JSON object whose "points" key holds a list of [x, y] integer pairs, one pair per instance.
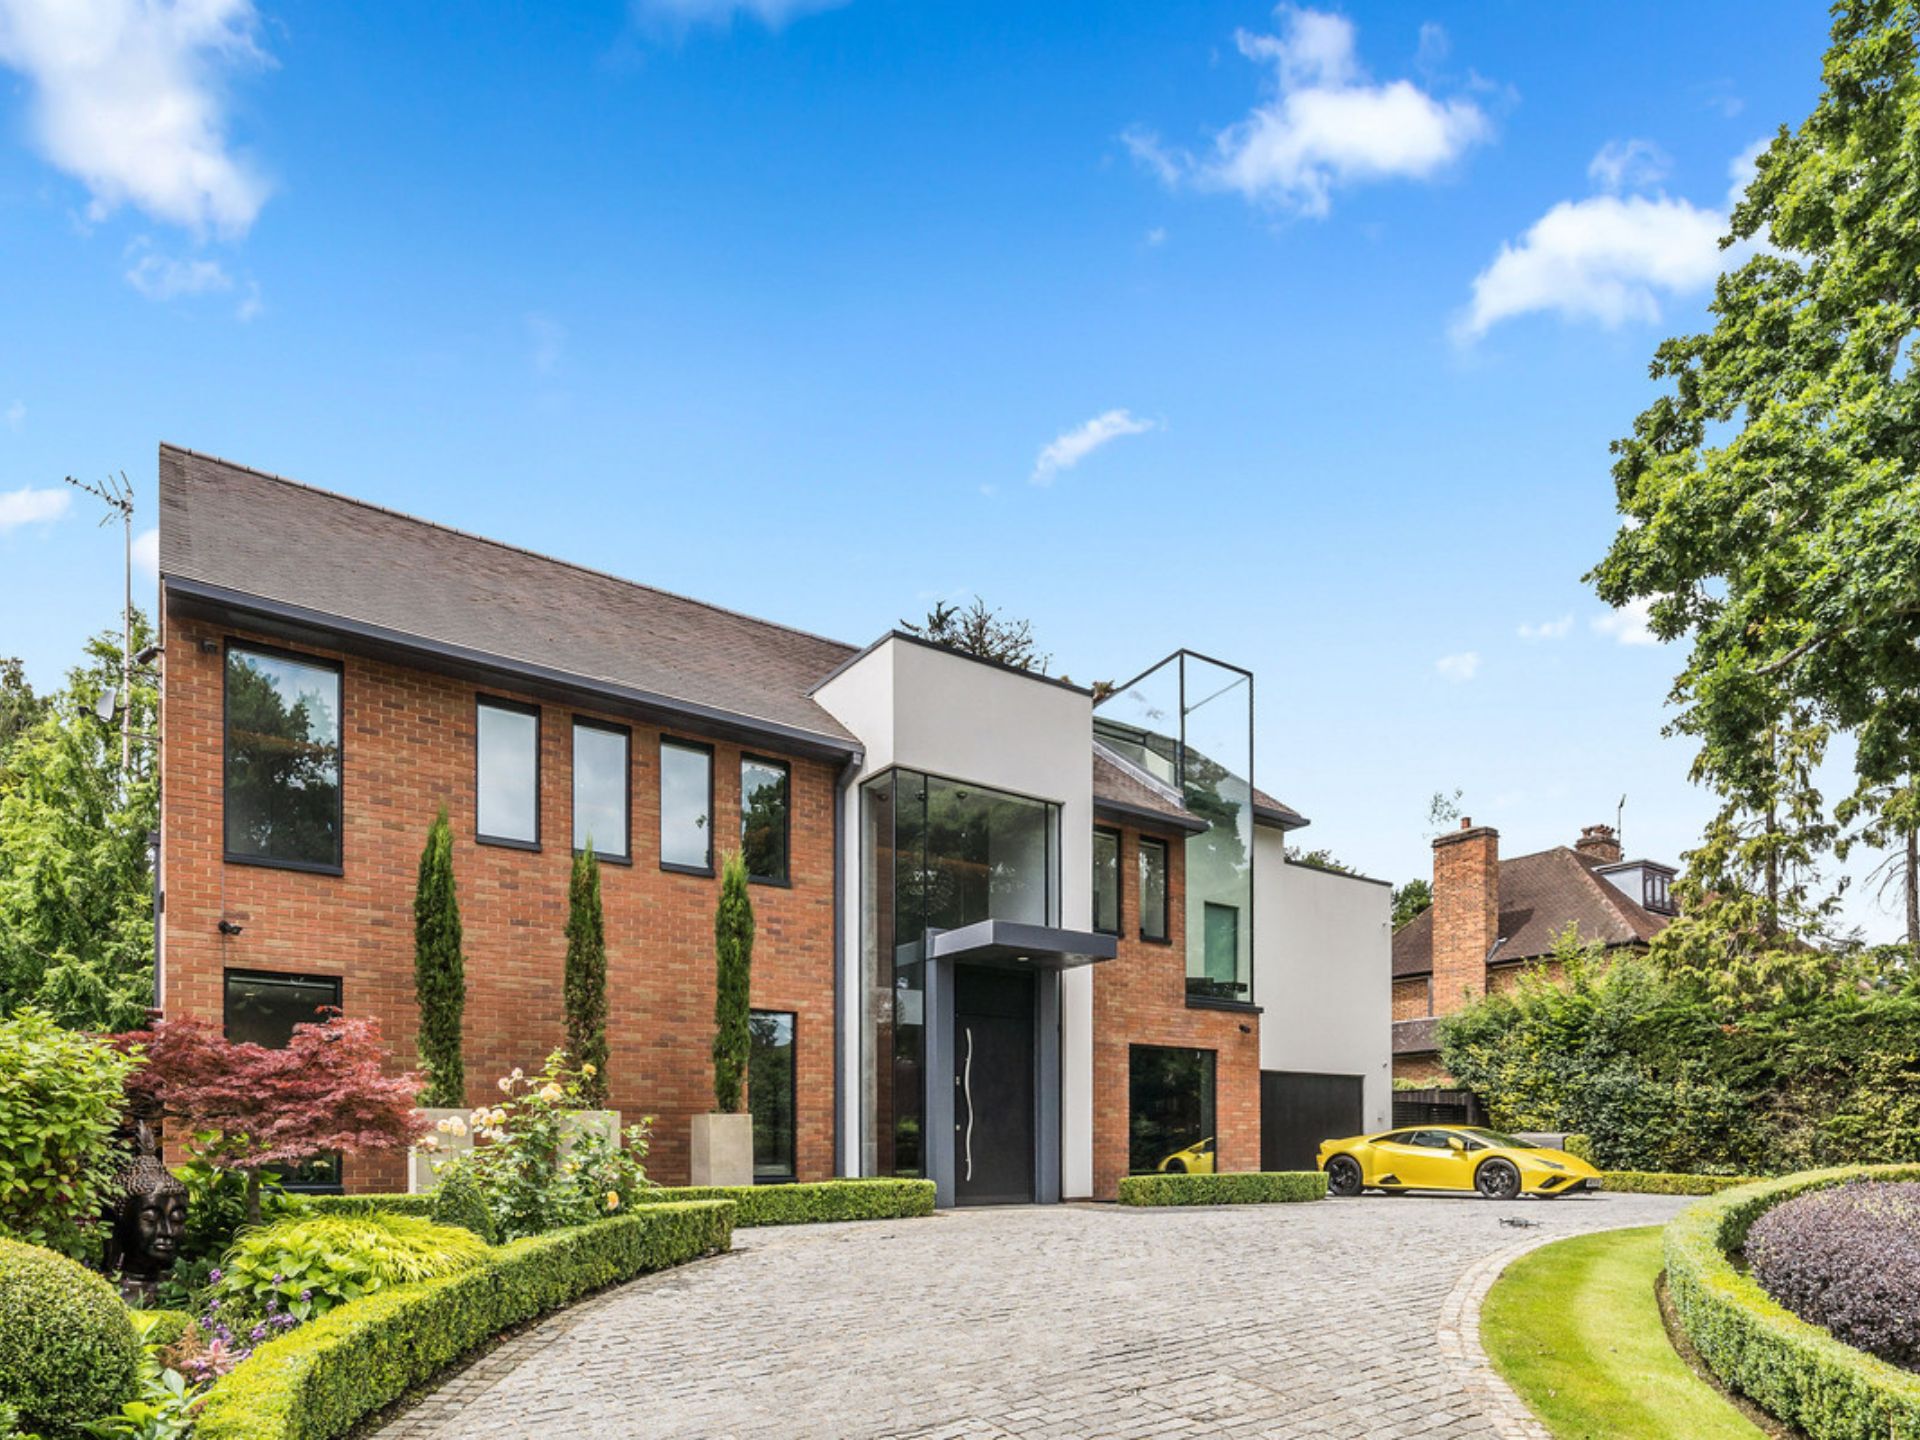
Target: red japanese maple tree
{"points": [[251, 1108]]}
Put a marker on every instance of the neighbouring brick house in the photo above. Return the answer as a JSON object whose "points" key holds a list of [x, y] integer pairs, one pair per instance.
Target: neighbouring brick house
{"points": [[1493, 920], [1006, 939]]}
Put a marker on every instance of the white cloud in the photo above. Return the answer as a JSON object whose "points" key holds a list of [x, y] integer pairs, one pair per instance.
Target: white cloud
{"points": [[1327, 124], [251, 306], [160, 277], [126, 98], [1628, 624], [1068, 449], [1156, 237], [146, 553], [15, 413], [32, 507], [1459, 668], [681, 14], [1628, 165], [1548, 629]]}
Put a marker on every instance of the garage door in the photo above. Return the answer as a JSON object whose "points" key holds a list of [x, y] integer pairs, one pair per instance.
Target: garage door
{"points": [[1298, 1111]]}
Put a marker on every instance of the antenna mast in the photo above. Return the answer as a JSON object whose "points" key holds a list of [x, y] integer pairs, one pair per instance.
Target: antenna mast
{"points": [[116, 493], [1619, 825]]}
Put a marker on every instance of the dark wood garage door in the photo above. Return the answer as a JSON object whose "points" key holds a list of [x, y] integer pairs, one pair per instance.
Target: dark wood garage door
{"points": [[1298, 1111]]}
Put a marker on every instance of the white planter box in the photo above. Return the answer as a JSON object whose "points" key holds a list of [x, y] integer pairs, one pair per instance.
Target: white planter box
{"points": [[722, 1152]]}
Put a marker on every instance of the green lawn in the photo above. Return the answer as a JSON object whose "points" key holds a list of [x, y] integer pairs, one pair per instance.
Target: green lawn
{"points": [[1575, 1329]]}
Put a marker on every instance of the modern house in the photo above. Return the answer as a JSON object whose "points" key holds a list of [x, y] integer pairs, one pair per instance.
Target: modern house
{"points": [[1007, 939], [1493, 920]]}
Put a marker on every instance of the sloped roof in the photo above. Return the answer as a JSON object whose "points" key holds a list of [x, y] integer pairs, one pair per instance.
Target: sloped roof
{"points": [[1540, 894], [1120, 791]]}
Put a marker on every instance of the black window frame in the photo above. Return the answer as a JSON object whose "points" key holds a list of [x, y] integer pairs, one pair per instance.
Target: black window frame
{"points": [[500, 702], [1210, 1109], [784, 882], [793, 1133], [291, 1181], [1165, 937], [625, 732], [677, 742], [228, 645], [1119, 882]]}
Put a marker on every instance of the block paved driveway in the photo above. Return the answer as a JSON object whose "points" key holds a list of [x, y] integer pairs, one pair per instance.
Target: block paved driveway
{"points": [[1071, 1321]]}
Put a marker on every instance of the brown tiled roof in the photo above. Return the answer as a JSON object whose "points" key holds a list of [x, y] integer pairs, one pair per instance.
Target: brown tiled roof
{"points": [[1269, 811], [1540, 895], [272, 539], [1118, 791]]}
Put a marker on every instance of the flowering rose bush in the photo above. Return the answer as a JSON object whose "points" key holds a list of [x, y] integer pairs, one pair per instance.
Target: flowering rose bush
{"points": [[1847, 1258]]}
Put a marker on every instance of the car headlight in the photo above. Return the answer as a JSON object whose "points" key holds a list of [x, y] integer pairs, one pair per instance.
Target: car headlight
{"points": [[1551, 1165]]}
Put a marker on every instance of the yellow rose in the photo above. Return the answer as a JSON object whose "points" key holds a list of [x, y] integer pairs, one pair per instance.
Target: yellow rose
{"points": [[588, 1071], [551, 1091], [613, 1199]]}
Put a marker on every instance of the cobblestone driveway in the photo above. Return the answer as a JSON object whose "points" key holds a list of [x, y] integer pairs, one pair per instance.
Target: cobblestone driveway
{"points": [[1081, 1321]]}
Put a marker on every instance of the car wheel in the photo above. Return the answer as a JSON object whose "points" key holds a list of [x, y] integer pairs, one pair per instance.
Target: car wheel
{"points": [[1497, 1180], [1176, 1167], [1343, 1176]]}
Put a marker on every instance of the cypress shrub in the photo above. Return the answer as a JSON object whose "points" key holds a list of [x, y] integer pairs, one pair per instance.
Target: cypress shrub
{"points": [[733, 970], [439, 971], [586, 978]]}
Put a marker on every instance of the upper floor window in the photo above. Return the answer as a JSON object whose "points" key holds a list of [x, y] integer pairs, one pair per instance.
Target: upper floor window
{"points": [[507, 773], [1153, 889], [1659, 892], [600, 789], [283, 798], [1221, 956], [1106, 881], [686, 807], [764, 786]]}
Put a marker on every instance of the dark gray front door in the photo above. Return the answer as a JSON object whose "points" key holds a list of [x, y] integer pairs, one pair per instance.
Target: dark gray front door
{"points": [[992, 1086]]}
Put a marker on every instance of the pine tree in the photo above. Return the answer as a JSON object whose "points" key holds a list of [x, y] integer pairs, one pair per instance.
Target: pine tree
{"points": [[733, 954], [586, 978], [439, 971]]}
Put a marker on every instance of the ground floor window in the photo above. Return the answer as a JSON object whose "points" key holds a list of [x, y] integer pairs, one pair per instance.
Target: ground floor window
{"points": [[770, 1094], [1170, 1110], [261, 1008]]}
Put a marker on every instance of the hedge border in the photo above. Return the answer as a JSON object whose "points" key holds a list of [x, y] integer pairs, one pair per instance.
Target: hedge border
{"points": [[317, 1382], [1659, 1182], [394, 1204], [1238, 1187], [1795, 1371], [808, 1202]]}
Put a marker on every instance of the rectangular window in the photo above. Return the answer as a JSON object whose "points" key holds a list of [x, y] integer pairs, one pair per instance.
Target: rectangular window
{"points": [[1106, 881], [686, 807], [1223, 951], [764, 786], [261, 1008], [1170, 1110], [600, 789], [1153, 889], [770, 1094], [283, 799], [507, 773]]}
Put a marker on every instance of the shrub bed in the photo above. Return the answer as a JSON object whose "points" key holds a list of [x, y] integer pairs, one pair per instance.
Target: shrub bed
{"points": [[1249, 1187], [68, 1354], [809, 1202], [1847, 1258], [1796, 1371], [1652, 1182], [316, 1382]]}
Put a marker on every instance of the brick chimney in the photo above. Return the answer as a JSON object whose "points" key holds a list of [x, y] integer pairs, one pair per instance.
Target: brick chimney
{"points": [[1599, 843], [1466, 913]]}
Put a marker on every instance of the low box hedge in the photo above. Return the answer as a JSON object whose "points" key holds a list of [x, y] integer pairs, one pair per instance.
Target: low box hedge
{"points": [[1795, 1371], [420, 1205], [316, 1382], [808, 1202], [1240, 1187], [1654, 1182]]}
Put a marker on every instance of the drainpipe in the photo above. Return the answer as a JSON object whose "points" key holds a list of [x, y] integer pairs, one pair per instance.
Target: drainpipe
{"points": [[843, 784]]}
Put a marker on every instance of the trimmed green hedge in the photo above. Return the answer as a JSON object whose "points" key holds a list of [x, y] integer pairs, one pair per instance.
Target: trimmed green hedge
{"points": [[420, 1205], [1580, 1147], [876, 1199], [1650, 1182], [68, 1353], [1795, 1371], [1240, 1187], [316, 1382]]}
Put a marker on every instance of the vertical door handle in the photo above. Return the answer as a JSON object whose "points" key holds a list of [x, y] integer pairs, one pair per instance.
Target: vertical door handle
{"points": [[966, 1089]]}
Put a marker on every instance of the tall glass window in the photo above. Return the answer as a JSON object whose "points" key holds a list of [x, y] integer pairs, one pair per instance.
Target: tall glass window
{"points": [[1222, 956], [600, 790], [507, 773], [283, 802], [1153, 889], [686, 807], [1106, 881], [770, 1093], [1170, 1110], [261, 1007], [763, 818]]}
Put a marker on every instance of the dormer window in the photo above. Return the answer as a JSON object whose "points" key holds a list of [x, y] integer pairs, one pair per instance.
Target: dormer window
{"points": [[1656, 892]]}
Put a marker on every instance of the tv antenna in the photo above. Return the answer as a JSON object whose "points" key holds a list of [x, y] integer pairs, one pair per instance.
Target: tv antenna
{"points": [[1619, 825], [116, 493]]}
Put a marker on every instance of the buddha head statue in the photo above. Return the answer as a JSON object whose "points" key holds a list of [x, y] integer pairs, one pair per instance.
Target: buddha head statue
{"points": [[150, 1215]]}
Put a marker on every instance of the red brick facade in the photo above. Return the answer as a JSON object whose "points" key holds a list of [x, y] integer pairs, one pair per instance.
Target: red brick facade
{"points": [[1413, 999], [408, 748], [1140, 998]]}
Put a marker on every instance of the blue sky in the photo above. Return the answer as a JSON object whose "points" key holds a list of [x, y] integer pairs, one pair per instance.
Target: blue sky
{"points": [[1295, 336]]}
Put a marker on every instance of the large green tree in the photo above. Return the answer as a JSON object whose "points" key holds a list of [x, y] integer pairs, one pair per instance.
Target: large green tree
{"points": [[439, 969], [1770, 498]]}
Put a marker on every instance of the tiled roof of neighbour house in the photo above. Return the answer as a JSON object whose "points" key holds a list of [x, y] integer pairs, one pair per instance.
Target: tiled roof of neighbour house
{"points": [[1540, 895], [248, 535]]}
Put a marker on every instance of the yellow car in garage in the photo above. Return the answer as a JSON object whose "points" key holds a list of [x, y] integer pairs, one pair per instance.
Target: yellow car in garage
{"points": [[1196, 1159], [1452, 1157]]}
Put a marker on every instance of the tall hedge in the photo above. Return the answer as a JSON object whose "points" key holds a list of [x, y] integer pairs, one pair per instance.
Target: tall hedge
{"points": [[733, 971], [586, 978], [439, 970]]}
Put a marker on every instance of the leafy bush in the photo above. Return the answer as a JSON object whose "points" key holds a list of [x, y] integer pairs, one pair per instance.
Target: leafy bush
{"points": [[315, 1383], [1849, 1259], [58, 1110], [1653, 1182], [458, 1200], [1796, 1371], [808, 1203], [1251, 1187], [313, 1263], [68, 1353], [158, 1329], [1579, 1146]]}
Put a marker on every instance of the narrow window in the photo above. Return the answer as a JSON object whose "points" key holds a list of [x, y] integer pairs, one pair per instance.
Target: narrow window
{"points": [[1153, 889], [1170, 1110], [763, 818], [507, 763], [600, 789], [686, 807], [1223, 948], [283, 800], [770, 1094], [1106, 881], [261, 1008]]}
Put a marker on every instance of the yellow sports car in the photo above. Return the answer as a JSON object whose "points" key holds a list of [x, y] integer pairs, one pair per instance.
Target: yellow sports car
{"points": [[1452, 1157], [1196, 1159]]}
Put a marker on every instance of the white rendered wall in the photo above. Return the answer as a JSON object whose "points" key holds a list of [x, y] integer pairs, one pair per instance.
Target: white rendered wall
{"points": [[1323, 974]]}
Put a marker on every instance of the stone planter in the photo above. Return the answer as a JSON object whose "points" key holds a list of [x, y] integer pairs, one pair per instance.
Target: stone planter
{"points": [[722, 1151], [424, 1162], [593, 1122]]}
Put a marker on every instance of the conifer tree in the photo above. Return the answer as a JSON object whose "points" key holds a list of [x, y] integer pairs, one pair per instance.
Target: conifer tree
{"points": [[733, 955], [586, 978], [439, 970]]}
